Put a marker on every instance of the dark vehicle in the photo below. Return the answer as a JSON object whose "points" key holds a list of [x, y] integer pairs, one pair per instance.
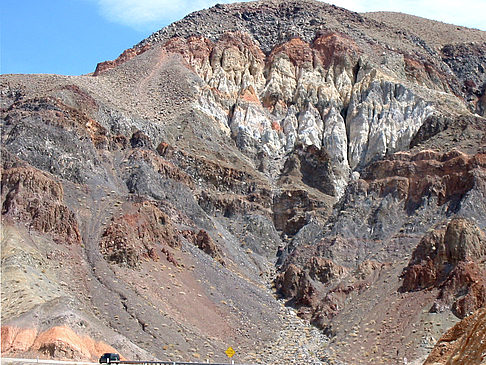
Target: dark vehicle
{"points": [[109, 358]]}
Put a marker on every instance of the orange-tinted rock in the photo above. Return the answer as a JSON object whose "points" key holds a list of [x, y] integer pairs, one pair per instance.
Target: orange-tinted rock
{"points": [[324, 270], [335, 47], [8, 336], [194, 49], [36, 198], [56, 343], [327, 48], [465, 288], [465, 343], [249, 95], [62, 342], [294, 283], [241, 41], [427, 74], [229, 52], [368, 268], [298, 51], [127, 55], [15, 339]]}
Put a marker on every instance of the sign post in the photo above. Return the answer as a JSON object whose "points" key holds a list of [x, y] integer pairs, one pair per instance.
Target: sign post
{"points": [[230, 353]]}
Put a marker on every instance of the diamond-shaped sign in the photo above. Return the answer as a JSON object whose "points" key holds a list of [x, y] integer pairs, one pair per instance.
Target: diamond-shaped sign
{"points": [[230, 352]]}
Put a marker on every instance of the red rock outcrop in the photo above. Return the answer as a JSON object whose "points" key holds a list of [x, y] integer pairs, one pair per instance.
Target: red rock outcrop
{"points": [[427, 74], [55, 343], [195, 50], [321, 287], [289, 210], [293, 283], [465, 343], [298, 52], [190, 48], [127, 55], [233, 53], [324, 270], [142, 231], [17, 340], [273, 110], [452, 260], [336, 48], [427, 173], [335, 298], [35, 198], [205, 243]]}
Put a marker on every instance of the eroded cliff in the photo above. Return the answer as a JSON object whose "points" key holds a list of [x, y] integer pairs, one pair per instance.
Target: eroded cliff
{"points": [[249, 156]]}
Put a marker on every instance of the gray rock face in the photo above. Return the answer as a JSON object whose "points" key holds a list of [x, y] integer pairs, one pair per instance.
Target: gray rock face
{"points": [[468, 62], [277, 135], [49, 144]]}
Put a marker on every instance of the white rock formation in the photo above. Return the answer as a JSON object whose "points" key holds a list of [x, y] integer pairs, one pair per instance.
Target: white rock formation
{"points": [[382, 119], [277, 105]]}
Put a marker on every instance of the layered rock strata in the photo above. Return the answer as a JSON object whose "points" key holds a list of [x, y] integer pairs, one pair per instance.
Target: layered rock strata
{"points": [[338, 156], [462, 344], [57, 342]]}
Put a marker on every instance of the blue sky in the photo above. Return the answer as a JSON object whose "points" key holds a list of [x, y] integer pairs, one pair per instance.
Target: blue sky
{"points": [[60, 36], [71, 36]]}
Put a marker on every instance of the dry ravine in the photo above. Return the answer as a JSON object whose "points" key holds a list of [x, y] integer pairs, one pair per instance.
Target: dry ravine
{"points": [[297, 181]]}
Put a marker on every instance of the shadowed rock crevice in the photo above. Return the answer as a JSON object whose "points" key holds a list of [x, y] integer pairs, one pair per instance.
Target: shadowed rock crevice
{"points": [[252, 149]]}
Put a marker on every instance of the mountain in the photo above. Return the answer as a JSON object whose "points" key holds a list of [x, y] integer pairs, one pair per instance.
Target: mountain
{"points": [[297, 181]]}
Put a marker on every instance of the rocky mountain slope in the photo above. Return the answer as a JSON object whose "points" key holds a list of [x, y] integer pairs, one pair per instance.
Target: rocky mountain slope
{"points": [[300, 182], [463, 343]]}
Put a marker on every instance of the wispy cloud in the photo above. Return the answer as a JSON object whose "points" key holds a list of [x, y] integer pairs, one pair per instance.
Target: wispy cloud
{"points": [[148, 15]]}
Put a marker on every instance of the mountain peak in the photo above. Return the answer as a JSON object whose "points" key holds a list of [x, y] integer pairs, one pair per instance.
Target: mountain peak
{"points": [[295, 148], [269, 22]]}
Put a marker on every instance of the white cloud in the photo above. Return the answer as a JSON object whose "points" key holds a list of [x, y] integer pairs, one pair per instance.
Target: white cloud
{"points": [[154, 14], [150, 14]]}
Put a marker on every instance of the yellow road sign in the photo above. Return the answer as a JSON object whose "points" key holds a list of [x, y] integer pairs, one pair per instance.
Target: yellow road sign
{"points": [[230, 352]]}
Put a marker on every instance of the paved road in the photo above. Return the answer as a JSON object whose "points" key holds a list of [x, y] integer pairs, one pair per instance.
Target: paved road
{"points": [[8, 360], [11, 360]]}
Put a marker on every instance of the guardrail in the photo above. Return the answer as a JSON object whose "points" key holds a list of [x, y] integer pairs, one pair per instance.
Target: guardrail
{"points": [[6, 360], [177, 363], [174, 363]]}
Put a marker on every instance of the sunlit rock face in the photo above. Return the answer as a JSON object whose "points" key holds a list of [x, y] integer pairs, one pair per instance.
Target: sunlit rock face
{"points": [[323, 94], [301, 182]]}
